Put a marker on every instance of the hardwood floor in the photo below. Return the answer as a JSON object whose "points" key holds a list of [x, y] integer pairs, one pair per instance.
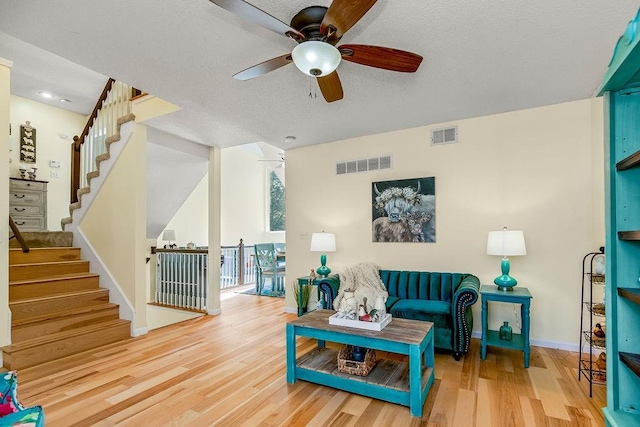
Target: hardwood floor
{"points": [[229, 370]]}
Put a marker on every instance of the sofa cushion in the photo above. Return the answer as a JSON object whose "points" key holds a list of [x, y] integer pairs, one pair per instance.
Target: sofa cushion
{"points": [[438, 312], [390, 302]]}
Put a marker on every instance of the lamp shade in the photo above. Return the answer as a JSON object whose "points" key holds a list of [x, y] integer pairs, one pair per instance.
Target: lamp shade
{"points": [[323, 242], [169, 235], [316, 58], [506, 243]]}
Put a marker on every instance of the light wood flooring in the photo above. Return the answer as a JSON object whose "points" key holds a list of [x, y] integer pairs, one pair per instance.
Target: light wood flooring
{"points": [[229, 370]]}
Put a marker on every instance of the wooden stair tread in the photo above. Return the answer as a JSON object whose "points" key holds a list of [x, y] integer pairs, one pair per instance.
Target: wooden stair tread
{"points": [[53, 248], [65, 313], [73, 261], [54, 278], [59, 296], [39, 341]]}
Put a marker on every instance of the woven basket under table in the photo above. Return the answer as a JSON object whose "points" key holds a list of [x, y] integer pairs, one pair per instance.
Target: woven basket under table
{"points": [[349, 366]]}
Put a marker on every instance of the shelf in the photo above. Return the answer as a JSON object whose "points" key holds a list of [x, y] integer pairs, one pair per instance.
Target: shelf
{"points": [[597, 343], [629, 235], [593, 374], [632, 294], [596, 279], [630, 162], [597, 308], [632, 361]]}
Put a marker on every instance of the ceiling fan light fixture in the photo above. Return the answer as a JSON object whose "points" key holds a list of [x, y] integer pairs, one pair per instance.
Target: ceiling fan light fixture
{"points": [[316, 58]]}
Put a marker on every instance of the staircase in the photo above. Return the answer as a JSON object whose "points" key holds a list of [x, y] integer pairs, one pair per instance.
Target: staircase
{"points": [[57, 306]]}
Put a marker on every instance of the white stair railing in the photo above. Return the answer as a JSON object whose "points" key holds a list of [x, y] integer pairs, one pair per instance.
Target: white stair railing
{"points": [[181, 278], [117, 104]]}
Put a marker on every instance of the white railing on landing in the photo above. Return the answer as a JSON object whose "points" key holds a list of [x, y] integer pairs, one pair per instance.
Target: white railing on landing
{"points": [[237, 266], [116, 105], [181, 278]]}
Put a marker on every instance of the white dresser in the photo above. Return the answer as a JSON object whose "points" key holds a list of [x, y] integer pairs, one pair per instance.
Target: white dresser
{"points": [[28, 204]]}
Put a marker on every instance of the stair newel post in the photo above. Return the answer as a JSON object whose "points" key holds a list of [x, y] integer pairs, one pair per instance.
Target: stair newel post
{"points": [[75, 168], [240, 265]]}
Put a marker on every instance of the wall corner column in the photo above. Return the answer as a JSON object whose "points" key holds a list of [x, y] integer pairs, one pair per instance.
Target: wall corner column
{"points": [[5, 92], [215, 209]]}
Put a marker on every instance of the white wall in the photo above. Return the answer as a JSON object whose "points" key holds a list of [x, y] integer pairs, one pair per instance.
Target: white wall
{"points": [[55, 129], [244, 209], [191, 221], [536, 170], [244, 198]]}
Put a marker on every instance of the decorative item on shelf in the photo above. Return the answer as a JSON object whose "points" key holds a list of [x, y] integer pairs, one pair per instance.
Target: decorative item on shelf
{"points": [[23, 171], [505, 331], [312, 276], [306, 294], [323, 242], [598, 332], [348, 306], [169, 235], [598, 308], [506, 243], [601, 361], [32, 172], [191, 245], [348, 365]]}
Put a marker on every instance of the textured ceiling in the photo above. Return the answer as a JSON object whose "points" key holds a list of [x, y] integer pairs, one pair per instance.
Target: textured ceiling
{"points": [[479, 58]]}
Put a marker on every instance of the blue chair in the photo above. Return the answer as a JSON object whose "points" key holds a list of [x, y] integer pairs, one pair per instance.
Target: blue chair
{"points": [[267, 268], [280, 254]]}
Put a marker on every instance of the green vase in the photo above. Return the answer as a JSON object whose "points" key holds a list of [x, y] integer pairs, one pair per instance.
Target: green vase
{"points": [[505, 332]]}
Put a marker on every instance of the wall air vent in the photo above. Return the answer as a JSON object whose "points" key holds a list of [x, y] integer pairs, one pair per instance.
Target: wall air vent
{"points": [[363, 165], [444, 136]]}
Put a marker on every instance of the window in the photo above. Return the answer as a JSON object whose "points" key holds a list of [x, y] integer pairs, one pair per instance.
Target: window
{"points": [[276, 203]]}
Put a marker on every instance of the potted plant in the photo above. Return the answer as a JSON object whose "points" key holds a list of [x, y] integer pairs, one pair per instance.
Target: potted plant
{"points": [[304, 298]]}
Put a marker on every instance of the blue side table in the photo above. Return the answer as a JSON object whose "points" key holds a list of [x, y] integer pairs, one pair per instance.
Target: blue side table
{"points": [[520, 341]]}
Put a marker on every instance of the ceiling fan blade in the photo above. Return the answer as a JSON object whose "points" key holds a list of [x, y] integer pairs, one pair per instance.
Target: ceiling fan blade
{"points": [[342, 15], [250, 13], [381, 57], [263, 68], [331, 87]]}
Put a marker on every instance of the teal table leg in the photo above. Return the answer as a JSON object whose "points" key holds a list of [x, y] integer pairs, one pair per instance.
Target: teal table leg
{"points": [[300, 310], [524, 314], [415, 381], [291, 354], [485, 329]]}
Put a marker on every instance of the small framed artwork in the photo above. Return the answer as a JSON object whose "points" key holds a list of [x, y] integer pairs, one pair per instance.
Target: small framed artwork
{"points": [[404, 210], [27, 143]]}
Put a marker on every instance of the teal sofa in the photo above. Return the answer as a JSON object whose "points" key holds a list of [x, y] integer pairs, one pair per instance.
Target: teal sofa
{"points": [[442, 298]]}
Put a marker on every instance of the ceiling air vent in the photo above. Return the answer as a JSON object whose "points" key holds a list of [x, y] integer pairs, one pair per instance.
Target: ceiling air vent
{"points": [[363, 165], [444, 136]]}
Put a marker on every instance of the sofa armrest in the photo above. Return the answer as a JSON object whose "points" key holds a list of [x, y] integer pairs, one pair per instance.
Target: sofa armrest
{"points": [[465, 296], [328, 290]]}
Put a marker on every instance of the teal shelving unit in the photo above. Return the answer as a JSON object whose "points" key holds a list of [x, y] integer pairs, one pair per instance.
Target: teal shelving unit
{"points": [[621, 91]]}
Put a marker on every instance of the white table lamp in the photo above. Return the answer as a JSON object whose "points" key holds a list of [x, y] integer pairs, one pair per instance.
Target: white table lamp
{"points": [[506, 243], [323, 242]]}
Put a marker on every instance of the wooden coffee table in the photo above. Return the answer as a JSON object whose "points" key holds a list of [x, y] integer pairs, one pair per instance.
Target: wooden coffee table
{"points": [[393, 381]]}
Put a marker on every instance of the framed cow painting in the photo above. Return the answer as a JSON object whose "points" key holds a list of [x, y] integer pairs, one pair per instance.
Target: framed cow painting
{"points": [[404, 210]]}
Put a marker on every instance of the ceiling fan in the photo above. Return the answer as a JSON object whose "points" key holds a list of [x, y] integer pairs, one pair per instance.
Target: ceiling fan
{"points": [[317, 30]]}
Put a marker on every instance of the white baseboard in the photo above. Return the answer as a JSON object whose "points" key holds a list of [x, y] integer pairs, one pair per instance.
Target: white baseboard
{"points": [[214, 312], [567, 346], [139, 332], [292, 310]]}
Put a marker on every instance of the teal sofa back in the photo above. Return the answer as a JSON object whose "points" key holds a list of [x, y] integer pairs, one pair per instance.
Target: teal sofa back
{"points": [[421, 284]]}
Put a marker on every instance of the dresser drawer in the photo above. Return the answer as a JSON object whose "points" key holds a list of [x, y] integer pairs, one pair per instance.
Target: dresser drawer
{"points": [[28, 210], [17, 185], [26, 197], [29, 224]]}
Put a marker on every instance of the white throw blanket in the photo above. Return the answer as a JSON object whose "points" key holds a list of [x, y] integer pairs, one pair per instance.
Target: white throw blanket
{"points": [[364, 279]]}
